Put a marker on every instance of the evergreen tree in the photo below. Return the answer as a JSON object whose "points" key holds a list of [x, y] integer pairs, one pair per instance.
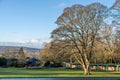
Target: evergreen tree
{"points": [[21, 57]]}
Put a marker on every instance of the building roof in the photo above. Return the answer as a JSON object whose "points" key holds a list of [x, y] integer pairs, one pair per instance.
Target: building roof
{"points": [[32, 60]]}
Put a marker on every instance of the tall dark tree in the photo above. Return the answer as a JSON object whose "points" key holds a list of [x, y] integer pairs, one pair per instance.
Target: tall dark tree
{"points": [[21, 56]]}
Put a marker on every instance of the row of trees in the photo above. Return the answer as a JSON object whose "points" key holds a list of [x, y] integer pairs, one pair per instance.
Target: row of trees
{"points": [[12, 57], [88, 34]]}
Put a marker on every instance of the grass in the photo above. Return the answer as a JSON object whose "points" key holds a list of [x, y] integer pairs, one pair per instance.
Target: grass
{"points": [[50, 72]]}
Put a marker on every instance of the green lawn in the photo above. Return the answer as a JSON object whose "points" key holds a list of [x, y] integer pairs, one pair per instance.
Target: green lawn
{"points": [[51, 72]]}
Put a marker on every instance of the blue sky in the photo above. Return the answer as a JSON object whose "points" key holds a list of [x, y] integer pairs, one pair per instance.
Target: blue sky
{"points": [[26, 20]]}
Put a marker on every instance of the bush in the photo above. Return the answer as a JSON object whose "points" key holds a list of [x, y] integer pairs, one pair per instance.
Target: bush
{"points": [[53, 64], [47, 64], [3, 61], [12, 62]]}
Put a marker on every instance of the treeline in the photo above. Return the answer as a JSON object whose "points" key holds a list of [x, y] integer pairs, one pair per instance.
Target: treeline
{"points": [[13, 58]]}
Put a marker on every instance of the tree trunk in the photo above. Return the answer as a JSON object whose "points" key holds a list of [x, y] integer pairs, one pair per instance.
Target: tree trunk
{"points": [[86, 70]]}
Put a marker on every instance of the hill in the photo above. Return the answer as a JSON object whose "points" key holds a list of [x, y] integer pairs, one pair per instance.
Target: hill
{"points": [[26, 49]]}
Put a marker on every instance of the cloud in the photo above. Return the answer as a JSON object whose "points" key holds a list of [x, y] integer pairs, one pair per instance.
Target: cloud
{"points": [[33, 43], [62, 5], [37, 43]]}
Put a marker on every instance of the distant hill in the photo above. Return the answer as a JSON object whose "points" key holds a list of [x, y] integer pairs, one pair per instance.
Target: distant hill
{"points": [[26, 49]]}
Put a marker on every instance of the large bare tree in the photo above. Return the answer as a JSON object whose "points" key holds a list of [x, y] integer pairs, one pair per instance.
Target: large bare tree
{"points": [[115, 15], [78, 27]]}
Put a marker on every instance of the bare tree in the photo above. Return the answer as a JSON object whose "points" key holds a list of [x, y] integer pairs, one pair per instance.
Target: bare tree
{"points": [[46, 55], [78, 26], [59, 49], [115, 12], [9, 52], [115, 15], [53, 53], [99, 53], [109, 38]]}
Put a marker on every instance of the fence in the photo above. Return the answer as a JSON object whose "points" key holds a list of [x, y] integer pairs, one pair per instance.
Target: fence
{"points": [[100, 67]]}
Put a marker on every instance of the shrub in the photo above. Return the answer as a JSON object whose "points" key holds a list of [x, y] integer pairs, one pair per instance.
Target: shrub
{"points": [[3, 61]]}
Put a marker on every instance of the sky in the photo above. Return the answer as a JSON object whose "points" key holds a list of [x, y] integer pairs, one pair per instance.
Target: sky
{"points": [[32, 21]]}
